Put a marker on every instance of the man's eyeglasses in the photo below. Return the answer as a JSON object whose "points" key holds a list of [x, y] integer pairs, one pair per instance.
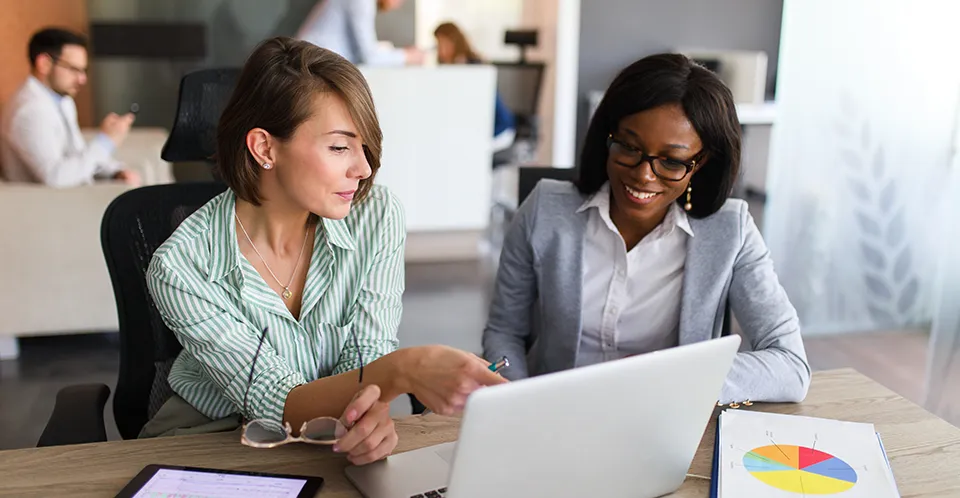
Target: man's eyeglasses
{"points": [[671, 170], [79, 71], [262, 433]]}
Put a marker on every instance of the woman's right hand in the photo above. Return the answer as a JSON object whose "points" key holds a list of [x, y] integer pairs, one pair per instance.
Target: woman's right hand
{"points": [[442, 377]]}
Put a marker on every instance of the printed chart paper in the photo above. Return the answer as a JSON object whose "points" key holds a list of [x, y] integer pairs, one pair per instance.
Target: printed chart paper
{"points": [[787, 456]]}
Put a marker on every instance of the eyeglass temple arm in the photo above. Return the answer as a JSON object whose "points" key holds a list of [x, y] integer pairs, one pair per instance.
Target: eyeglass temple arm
{"points": [[253, 365]]}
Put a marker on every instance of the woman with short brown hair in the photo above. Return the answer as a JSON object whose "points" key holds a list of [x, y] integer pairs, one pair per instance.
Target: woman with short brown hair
{"points": [[285, 287]]}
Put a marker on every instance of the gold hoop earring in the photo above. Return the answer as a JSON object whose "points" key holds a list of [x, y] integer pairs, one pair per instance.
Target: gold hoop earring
{"points": [[689, 205]]}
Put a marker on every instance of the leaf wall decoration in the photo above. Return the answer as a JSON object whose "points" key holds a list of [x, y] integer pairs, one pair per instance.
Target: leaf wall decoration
{"points": [[896, 230], [877, 287], [886, 263], [874, 258], [888, 197], [851, 158], [908, 296], [901, 267], [879, 165], [881, 316], [869, 225], [859, 190]]}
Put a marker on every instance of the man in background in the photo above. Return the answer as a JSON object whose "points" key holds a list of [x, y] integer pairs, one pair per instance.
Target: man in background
{"points": [[40, 138]]}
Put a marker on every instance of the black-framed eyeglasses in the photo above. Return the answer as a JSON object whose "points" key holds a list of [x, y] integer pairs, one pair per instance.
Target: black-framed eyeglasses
{"points": [[666, 168], [267, 434], [66, 65]]}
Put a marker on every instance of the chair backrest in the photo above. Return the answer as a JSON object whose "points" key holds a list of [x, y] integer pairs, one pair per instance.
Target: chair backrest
{"points": [[519, 85], [203, 95], [529, 176], [134, 225]]}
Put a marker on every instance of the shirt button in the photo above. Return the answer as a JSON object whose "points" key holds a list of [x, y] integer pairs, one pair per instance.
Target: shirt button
{"points": [[613, 309]]}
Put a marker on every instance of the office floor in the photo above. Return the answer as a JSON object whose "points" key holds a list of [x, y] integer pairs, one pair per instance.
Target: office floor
{"points": [[444, 303]]}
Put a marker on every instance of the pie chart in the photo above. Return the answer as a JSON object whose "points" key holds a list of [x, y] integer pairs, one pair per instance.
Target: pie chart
{"points": [[798, 469]]}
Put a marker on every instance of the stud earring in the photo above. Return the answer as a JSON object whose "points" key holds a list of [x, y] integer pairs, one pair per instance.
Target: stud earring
{"points": [[689, 205], [267, 166]]}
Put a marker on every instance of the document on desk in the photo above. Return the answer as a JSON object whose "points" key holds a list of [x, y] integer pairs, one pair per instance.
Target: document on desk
{"points": [[169, 483], [771, 455]]}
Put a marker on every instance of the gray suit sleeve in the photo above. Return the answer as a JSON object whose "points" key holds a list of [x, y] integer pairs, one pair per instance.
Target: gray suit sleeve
{"points": [[509, 323], [775, 369]]}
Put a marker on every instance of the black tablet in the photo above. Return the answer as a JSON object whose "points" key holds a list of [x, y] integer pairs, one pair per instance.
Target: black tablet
{"points": [[172, 480]]}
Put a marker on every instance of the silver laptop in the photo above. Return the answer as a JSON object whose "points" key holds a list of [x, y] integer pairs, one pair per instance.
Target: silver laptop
{"points": [[626, 428]]}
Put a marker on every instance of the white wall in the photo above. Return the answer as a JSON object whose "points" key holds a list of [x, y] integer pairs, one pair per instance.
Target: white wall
{"points": [[437, 145]]}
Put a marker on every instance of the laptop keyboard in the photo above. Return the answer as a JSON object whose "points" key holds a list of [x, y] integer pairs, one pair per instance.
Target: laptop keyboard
{"points": [[439, 493]]}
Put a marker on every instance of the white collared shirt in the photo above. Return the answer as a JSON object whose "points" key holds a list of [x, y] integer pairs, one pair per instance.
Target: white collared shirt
{"points": [[630, 300], [41, 141]]}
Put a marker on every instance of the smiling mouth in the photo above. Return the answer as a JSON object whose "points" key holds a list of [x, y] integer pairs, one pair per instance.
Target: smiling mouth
{"points": [[637, 194]]}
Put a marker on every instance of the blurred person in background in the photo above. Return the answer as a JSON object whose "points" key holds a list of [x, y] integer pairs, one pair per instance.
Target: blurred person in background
{"points": [[454, 48], [40, 138], [348, 27]]}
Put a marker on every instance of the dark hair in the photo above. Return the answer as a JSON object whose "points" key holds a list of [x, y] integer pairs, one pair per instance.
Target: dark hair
{"points": [[51, 41], [275, 92], [671, 79]]}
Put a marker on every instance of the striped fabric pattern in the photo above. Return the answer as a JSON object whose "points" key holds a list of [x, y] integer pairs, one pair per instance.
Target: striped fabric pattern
{"points": [[217, 304]]}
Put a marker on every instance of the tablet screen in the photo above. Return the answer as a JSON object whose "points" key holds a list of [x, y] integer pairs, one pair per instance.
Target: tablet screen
{"points": [[175, 483]]}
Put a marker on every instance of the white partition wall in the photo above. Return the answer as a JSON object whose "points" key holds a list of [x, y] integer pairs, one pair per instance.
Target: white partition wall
{"points": [[867, 113], [437, 142]]}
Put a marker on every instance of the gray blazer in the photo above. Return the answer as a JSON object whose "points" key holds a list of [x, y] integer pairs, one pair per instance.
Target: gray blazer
{"points": [[535, 313]]}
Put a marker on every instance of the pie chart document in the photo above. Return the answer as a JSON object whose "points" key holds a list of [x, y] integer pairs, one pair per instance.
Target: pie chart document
{"points": [[770, 455]]}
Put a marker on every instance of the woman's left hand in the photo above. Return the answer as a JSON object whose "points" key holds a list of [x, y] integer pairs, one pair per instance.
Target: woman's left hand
{"points": [[371, 435]]}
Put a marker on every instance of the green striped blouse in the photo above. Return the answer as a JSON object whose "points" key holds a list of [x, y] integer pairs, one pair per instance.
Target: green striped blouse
{"points": [[217, 305]]}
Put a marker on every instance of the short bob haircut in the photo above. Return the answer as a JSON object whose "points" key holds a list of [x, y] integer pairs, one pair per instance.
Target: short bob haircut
{"points": [[275, 92], [671, 79]]}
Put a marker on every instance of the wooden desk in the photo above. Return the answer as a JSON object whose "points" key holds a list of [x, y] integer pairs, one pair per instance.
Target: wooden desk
{"points": [[923, 449]]}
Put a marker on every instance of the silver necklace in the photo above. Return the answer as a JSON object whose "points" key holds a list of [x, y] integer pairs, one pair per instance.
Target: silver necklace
{"points": [[286, 288]]}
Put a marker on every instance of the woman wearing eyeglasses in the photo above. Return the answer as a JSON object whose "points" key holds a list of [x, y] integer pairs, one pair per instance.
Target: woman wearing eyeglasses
{"points": [[285, 291], [646, 249]]}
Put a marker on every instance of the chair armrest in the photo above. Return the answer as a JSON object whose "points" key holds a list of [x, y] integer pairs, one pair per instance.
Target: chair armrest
{"points": [[416, 407], [77, 416]]}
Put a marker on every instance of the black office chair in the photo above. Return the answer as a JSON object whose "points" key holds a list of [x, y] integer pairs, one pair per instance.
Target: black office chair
{"points": [[203, 95], [530, 176], [133, 226], [519, 85]]}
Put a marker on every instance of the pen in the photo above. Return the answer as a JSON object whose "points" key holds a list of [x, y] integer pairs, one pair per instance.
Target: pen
{"points": [[494, 367], [503, 362]]}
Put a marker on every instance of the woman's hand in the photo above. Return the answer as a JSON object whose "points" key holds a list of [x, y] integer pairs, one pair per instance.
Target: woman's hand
{"points": [[371, 435], [442, 377]]}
